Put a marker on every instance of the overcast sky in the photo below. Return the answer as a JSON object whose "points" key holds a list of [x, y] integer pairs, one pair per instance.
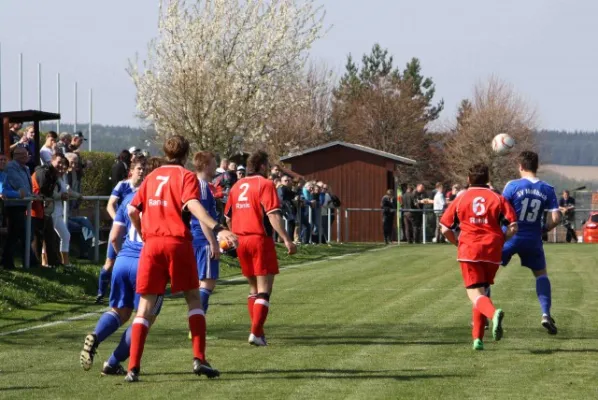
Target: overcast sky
{"points": [[546, 48]]}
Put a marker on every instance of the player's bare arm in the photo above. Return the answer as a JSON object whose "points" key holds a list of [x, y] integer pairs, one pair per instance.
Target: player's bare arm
{"points": [[135, 217], [554, 221], [511, 230], [112, 206], [214, 247], [204, 218], [116, 236], [449, 235], [275, 218]]}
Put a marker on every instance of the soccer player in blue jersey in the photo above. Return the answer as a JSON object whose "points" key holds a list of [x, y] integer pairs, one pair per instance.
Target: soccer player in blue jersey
{"points": [[205, 244], [123, 298], [531, 197], [120, 191]]}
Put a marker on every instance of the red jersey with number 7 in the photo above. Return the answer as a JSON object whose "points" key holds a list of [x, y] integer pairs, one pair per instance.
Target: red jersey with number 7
{"points": [[249, 201], [479, 212], [162, 198]]}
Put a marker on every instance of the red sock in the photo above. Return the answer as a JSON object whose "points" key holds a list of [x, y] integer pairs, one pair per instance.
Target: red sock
{"points": [[250, 302], [479, 322], [197, 325], [484, 305], [260, 313], [139, 332]]}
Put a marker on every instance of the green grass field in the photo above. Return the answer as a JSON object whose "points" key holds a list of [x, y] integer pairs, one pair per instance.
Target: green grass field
{"points": [[391, 323]]}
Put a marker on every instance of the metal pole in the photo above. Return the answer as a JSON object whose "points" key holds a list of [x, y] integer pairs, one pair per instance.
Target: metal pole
{"points": [[58, 101], [338, 225], [310, 222], [346, 225], [28, 236], [65, 216], [96, 250], [90, 115], [424, 227], [21, 81], [75, 126], [329, 232], [39, 86], [319, 222]]}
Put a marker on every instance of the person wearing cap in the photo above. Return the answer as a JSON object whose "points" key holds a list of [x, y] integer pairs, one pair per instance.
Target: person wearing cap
{"points": [[241, 172]]}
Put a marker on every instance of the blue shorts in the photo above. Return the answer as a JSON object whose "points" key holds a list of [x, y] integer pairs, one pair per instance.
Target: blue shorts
{"points": [[531, 254], [207, 268]]}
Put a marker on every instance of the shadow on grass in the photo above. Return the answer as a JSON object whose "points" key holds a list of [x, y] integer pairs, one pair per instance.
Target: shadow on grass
{"points": [[553, 351], [15, 388]]}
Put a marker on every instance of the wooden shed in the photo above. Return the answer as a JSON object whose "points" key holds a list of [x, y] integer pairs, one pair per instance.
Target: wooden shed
{"points": [[359, 176]]}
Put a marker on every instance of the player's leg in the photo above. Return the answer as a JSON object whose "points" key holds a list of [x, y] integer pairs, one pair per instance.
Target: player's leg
{"points": [[245, 255], [105, 273], [110, 321], [208, 271], [477, 276], [139, 332], [535, 260]]}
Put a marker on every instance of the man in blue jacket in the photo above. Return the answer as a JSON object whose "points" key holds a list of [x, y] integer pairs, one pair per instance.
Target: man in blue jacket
{"points": [[18, 179]]}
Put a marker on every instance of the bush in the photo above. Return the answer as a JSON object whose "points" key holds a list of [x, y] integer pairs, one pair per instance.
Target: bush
{"points": [[96, 179]]}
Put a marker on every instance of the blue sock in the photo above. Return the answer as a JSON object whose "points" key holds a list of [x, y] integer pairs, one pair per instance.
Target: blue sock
{"points": [[543, 292], [108, 323], [105, 277], [121, 353], [205, 298]]}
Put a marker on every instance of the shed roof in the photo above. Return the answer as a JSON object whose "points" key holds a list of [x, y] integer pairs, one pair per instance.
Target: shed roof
{"points": [[29, 115], [399, 159]]}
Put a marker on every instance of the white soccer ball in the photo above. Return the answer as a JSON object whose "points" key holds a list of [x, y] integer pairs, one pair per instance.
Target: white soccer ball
{"points": [[503, 144]]}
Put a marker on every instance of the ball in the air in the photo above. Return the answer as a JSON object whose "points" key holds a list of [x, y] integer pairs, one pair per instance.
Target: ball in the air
{"points": [[502, 144]]}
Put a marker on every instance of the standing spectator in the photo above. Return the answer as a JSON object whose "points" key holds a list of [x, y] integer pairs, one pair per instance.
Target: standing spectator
{"points": [[408, 205], [120, 169], [389, 210], [452, 195], [6, 192], [29, 144], [232, 173], [64, 140], [47, 150], [15, 138], [77, 224], [287, 201], [241, 173], [327, 205], [307, 204], [439, 206], [75, 146], [45, 239], [567, 208], [19, 179], [421, 200]]}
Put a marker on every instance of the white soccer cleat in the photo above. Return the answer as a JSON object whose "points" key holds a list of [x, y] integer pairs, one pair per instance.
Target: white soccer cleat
{"points": [[257, 341]]}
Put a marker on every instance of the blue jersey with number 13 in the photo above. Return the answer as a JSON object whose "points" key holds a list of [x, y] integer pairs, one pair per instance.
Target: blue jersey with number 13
{"points": [[530, 197]]}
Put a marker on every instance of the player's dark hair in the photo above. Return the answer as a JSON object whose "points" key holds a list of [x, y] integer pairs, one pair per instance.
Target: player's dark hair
{"points": [[52, 134], [139, 160], [566, 192], [479, 175], [256, 161], [529, 161], [154, 163], [176, 149], [201, 159]]}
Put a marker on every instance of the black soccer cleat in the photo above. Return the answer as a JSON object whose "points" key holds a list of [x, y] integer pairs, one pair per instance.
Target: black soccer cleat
{"points": [[99, 299], [113, 370], [204, 368], [549, 324], [132, 376], [90, 346]]}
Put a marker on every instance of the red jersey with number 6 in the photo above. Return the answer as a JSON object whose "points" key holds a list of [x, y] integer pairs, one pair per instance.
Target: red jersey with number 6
{"points": [[479, 212], [249, 201], [162, 197]]}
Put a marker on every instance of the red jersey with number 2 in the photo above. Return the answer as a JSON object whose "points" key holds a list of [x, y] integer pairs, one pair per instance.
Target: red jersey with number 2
{"points": [[479, 212], [248, 202], [162, 197]]}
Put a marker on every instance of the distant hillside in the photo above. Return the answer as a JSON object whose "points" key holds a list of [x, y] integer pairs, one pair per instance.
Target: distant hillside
{"points": [[564, 148], [109, 138]]}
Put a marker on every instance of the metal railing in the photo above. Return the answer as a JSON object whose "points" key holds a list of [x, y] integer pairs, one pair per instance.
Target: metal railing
{"points": [[332, 213], [30, 200]]}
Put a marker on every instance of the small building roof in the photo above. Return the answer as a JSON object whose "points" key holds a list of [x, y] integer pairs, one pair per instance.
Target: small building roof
{"points": [[399, 159], [28, 116]]}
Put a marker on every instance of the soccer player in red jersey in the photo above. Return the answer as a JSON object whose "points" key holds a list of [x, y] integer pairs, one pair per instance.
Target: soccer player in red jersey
{"points": [[252, 210], [168, 251], [479, 211]]}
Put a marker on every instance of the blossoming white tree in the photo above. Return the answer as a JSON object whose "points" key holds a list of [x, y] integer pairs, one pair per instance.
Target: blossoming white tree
{"points": [[219, 68]]}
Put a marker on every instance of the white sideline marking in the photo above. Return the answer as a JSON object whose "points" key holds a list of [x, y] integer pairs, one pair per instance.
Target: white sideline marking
{"points": [[238, 279]]}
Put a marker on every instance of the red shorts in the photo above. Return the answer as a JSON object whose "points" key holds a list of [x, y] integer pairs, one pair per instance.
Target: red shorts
{"points": [[475, 273], [257, 255], [166, 259]]}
